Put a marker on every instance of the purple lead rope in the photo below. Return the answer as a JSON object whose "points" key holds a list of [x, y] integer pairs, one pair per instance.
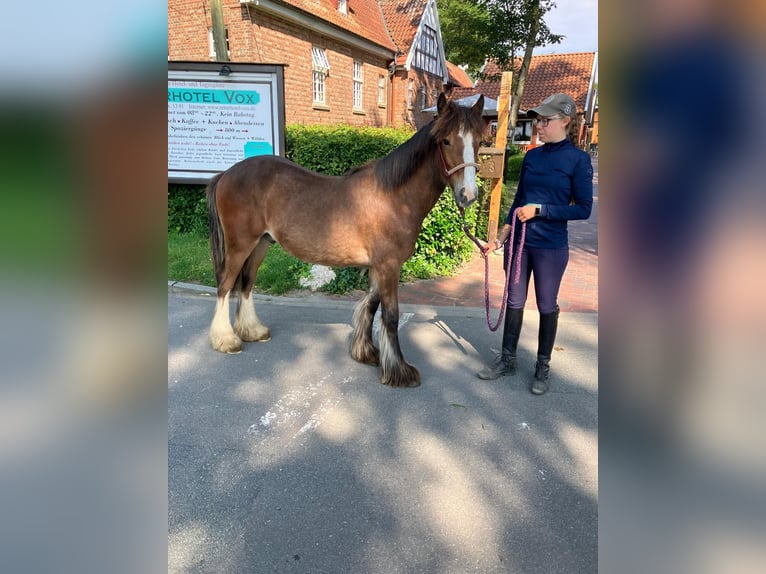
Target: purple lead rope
{"points": [[517, 274]]}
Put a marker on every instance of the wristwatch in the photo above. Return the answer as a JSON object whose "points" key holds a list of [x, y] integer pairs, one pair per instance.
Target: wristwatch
{"points": [[537, 209]]}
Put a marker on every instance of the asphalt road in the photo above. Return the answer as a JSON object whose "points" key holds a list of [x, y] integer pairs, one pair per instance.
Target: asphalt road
{"points": [[291, 457]]}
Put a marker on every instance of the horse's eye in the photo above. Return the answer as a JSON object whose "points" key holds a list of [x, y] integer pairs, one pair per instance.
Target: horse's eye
{"points": [[446, 142]]}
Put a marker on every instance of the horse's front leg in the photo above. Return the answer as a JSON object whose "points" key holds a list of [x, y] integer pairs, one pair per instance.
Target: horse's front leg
{"points": [[362, 347], [395, 371]]}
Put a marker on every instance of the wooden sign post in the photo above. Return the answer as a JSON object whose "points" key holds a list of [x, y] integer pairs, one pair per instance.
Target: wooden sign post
{"points": [[503, 115]]}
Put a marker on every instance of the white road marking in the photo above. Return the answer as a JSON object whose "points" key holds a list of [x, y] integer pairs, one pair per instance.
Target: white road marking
{"points": [[292, 411]]}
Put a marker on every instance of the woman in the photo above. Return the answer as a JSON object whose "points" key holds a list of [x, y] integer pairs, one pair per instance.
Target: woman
{"points": [[555, 186]]}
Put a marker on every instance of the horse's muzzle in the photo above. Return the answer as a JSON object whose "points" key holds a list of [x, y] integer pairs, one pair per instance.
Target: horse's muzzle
{"points": [[464, 198]]}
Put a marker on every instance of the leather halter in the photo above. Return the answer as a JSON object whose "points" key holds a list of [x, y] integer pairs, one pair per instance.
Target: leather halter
{"points": [[449, 172]]}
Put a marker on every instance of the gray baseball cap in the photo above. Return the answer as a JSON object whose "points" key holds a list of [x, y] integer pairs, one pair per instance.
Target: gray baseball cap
{"points": [[557, 104]]}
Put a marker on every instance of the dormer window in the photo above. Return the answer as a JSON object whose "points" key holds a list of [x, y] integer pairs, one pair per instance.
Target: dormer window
{"points": [[343, 6]]}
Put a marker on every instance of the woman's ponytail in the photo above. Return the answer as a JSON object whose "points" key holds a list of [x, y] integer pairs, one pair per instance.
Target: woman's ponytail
{"points": [[574, 129]]}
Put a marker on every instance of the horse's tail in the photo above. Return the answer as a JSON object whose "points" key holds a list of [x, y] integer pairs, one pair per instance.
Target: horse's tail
{"points": [[217, 246]]}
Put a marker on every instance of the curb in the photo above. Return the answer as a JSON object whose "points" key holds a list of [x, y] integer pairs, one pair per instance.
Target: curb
{"points": [[424, 311]]}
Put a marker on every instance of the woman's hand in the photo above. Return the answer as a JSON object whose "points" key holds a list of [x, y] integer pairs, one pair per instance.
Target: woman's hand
{"points": [[491, 246], [527, 212]]}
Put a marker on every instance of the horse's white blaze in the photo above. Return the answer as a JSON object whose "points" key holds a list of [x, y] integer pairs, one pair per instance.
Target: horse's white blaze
{"points": [[247, 325], [469, 172]]}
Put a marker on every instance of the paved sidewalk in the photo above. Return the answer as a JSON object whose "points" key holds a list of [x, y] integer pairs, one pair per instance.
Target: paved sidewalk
{"points": [[579, 288]]}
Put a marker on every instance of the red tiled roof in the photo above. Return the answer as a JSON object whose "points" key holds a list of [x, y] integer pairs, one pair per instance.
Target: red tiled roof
{"points": [[462, 92], [364, 18], [458, 77], [548, 74], [403, 19]]}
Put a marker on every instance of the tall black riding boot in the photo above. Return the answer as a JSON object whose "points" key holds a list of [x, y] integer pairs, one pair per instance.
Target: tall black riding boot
{"points": [[505, 362], [545, 339]]}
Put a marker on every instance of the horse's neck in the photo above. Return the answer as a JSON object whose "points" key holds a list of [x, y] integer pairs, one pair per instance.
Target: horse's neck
{"points": [[422, 191]]}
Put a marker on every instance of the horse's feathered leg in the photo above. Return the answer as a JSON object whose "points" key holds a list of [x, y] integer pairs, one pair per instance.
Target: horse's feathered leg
{"points": [[247, 325], [222, 337], [395, 371], [228, 259], [362, 347]]}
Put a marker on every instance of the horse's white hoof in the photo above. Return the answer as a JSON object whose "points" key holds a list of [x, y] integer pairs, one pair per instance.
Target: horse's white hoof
{"points": [[230, 344], [257, 335]]}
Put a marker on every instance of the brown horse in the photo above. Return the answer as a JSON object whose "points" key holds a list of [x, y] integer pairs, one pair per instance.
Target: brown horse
{"points": [[370, 218]]}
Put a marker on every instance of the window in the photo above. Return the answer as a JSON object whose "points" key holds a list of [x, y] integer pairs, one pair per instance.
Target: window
{"points": [[212, 43], [320, 71], [342, 6], [381, 90], [523, 132], [410, 90], [358, 84], [427, 52], [423, 103]]}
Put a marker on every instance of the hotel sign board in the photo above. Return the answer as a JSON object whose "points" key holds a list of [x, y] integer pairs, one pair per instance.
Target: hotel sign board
{"points": [[221, 113]]}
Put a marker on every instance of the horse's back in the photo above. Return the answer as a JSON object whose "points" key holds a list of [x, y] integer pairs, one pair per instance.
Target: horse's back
{"points": [[317, 218], [262, 168]]}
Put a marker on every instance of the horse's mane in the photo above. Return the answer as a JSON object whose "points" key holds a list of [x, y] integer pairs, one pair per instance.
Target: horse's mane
{"points": [[393, 170]]}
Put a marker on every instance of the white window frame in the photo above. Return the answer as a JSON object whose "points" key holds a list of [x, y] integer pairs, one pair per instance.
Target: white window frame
{"points": [[410, 93], [358, 95], [343, 6], [211, 42], [320, 70]]}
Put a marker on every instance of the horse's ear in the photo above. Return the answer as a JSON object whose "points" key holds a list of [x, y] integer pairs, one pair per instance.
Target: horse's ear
{"points": [[478, 107], [441, 103]]}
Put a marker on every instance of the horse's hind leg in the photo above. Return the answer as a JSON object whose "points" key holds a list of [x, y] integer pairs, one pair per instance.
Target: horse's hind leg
{"points": [[221, 335], [395, 371], [362, 347], [247, 325]]}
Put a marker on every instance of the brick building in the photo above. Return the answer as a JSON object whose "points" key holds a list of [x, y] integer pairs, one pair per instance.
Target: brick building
{"points": [[357, 62], [574, 74]]}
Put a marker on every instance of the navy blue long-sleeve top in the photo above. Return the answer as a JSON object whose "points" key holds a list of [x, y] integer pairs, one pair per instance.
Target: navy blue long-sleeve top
{"points": [[559, 177]]}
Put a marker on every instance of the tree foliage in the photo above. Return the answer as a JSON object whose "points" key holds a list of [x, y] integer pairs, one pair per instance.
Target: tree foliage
{"points": [[464, 25], [476, 30], [516, 25], [504, 31]]}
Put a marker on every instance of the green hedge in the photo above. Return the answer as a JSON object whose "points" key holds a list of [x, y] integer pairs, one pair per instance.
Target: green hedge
{"points": [[513, 167], [442, 244], [187, 209], [333, 150]]}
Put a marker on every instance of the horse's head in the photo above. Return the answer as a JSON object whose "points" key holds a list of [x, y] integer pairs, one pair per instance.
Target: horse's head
{"points": [[458, 131]]}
